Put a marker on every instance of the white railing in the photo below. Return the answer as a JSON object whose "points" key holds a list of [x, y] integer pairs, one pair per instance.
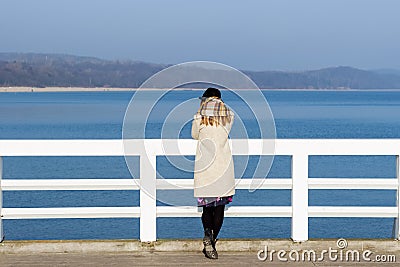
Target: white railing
{"points": [[149, 149]]}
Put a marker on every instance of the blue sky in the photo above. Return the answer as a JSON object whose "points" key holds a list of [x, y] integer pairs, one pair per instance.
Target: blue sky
{"points": [[252, 35]]}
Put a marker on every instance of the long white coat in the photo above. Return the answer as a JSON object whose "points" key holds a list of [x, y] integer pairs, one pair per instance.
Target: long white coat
{"points": [[213, 169]]}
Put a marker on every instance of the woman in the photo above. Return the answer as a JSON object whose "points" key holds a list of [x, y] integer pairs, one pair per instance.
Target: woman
{"points": [[214, 182]]}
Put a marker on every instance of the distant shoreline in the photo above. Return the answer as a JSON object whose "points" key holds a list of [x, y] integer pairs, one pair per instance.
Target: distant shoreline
{"points": [[103, 89]]}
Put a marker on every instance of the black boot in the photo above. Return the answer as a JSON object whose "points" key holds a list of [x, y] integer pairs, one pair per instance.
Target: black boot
{"points": [[209, 246]]}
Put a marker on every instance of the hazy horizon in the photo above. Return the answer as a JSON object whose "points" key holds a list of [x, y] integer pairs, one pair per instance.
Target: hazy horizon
{"points": [[257, 35]]}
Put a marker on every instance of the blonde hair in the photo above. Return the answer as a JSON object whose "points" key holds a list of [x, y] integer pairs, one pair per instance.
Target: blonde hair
{"points": [[215, 120]]}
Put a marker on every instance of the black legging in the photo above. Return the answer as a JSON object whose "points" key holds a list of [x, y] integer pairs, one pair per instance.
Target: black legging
{"points": [[212, 218]]}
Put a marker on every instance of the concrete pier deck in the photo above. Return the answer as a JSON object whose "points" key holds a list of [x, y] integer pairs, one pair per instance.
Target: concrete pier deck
{"points": [[188, 252]]}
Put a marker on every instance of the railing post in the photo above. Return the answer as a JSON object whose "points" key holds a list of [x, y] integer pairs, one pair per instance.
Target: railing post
{"points": [[397, 220], [1, 201], [299, 197], [148, 205]]}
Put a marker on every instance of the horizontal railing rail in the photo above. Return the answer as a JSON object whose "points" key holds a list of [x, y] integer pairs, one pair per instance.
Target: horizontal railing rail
{"points": [[299, 183]]}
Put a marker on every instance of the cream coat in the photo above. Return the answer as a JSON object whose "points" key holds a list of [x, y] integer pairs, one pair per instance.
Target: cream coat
{"points": [[213, 168]]}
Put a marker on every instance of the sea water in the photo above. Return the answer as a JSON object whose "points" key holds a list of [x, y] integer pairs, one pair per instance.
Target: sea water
{"points": [[99, 115]]}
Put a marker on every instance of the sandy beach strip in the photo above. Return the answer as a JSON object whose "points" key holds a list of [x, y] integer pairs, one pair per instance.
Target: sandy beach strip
{"points": [[84, 89], [116, 89], [89, 89], [63, 89]]}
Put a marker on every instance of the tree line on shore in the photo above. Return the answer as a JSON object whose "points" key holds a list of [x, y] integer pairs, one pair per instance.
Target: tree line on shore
{"points": [[48, 70]]}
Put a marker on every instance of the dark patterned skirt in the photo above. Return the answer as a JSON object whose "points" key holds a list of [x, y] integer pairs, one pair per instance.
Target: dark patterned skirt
{"points": [[213, 201]]}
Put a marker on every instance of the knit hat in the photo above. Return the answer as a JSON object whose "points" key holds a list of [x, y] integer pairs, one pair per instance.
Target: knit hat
{"points": [[210, 92]]}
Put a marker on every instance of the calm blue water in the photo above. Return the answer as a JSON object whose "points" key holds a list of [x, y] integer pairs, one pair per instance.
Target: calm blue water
{"points": [[298, 114]]}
